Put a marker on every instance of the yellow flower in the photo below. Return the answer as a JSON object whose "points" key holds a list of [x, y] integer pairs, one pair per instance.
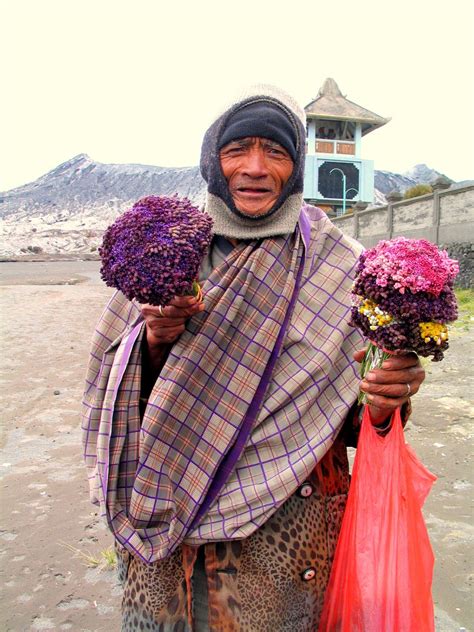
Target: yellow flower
{"points": [[437, 332], [376, 317]]}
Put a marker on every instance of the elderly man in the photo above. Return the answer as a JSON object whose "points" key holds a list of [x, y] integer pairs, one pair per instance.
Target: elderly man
{"points": [[216, 431]]}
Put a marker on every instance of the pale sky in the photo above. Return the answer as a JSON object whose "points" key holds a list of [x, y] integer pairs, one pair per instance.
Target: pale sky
{"points": [[140, 81]]}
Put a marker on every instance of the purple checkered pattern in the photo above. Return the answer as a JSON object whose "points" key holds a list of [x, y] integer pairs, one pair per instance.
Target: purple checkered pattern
{"points": [[250, 399]]}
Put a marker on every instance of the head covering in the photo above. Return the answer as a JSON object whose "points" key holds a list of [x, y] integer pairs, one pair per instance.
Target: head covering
{"points": [[265, 120], [287, 123]]}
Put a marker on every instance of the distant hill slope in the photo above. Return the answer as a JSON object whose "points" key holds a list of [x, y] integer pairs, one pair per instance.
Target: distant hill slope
{"points": [[66, 210], [80, 184]]}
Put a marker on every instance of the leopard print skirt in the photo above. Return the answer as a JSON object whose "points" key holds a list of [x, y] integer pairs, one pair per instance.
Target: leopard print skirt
{"points": [[273, 581]]}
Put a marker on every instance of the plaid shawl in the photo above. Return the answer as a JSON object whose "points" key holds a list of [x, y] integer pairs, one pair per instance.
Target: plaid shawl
{"points": [[250, 399]]}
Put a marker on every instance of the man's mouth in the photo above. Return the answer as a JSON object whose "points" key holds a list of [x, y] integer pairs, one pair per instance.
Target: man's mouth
{"points": [[253, 190]]}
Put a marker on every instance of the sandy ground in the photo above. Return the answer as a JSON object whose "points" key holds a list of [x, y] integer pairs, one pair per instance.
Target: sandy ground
{"points": [[48, 311]]}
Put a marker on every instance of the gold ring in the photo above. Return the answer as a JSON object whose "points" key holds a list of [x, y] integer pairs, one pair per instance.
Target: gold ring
{"points": [[408, 389], [160, 310]]}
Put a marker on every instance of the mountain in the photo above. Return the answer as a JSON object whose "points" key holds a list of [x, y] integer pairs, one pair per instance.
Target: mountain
{"points": [[66, 210], [386, 181], [81, 186]]}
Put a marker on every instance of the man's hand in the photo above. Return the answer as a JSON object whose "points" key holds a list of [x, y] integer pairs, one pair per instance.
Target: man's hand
{"points": [[164, 326], [389, 387]]}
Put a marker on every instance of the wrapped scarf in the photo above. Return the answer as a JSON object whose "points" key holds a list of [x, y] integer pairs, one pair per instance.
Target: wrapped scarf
{"points": [[250, 399]]}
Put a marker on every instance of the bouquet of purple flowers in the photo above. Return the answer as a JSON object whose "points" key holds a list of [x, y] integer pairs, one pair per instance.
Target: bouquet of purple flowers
{"points": [[403, 299], [153, 251]]}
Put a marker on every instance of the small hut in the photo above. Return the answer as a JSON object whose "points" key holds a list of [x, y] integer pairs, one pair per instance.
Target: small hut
{"points": [[336, 177]]}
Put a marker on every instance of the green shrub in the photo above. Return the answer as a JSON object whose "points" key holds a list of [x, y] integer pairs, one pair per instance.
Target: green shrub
{"points": [[418, 189], [465, 298]]}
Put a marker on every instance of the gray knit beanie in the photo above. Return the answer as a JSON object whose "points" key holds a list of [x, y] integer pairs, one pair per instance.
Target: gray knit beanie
{"points": [[283, 216]]}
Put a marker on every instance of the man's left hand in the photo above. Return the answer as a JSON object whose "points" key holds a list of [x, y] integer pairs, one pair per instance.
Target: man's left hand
{"points": [[389, 387]]}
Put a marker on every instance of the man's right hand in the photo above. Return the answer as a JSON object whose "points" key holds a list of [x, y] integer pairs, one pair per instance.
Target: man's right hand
{"points": [[166, 325]]}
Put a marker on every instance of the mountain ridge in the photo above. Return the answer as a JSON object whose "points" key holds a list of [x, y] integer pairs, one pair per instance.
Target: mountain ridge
{"points": [[67, 209]]}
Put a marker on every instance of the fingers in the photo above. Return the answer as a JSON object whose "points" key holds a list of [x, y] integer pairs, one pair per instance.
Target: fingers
{"points": [[413, 376], [359, 355], [184, 301], [399, 360], [390, 386], [163, 335], [177, 310], [164, 325], [383, 406], [387, 396], [389, 390]]}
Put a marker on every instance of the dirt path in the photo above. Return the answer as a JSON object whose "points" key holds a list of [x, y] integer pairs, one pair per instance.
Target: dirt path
{"points": [[46, 329]]}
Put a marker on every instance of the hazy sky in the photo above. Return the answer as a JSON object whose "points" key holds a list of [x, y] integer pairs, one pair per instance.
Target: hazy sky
{"points": [[139, 81]]}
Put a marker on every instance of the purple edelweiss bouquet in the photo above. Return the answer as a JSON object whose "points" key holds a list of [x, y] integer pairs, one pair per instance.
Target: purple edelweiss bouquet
{"points": [[402, 300], [153, 251]]}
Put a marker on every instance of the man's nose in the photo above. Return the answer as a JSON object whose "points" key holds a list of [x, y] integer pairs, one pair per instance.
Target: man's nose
{"points": [[255, 164]]}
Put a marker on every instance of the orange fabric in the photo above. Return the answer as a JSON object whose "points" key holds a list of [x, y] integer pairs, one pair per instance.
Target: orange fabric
{"points": [[189, 559]]}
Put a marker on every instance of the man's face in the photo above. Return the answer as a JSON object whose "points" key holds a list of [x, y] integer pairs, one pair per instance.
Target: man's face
{"points": [[256, 170]]}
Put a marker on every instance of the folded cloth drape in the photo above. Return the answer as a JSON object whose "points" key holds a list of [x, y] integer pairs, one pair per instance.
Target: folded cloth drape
{"points": [[251, 397]]}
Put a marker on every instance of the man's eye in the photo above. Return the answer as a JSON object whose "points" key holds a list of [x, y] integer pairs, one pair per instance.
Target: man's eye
{"points": [[233, 150], [276, 151]]}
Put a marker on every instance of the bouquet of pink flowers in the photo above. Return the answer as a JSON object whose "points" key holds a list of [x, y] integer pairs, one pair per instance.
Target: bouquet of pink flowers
{"points": [[403, 299], [153, 251]]}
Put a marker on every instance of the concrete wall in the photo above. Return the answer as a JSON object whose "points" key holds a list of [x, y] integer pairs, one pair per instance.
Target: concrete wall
{"points": [[464, 253], [443, 217], [347, 224]]}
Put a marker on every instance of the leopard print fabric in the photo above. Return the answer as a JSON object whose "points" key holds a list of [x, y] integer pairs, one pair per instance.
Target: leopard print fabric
{"points": [[273, 581]]}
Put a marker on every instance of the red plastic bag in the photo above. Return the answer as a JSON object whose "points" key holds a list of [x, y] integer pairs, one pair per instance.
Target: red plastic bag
{"points": [[383, 565]]}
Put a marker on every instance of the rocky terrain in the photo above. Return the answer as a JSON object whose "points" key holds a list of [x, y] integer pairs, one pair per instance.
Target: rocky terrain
{"points": [[65, 211]]}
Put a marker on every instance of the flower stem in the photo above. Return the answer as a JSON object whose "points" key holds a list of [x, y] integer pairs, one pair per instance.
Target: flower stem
{"points": [[197, 291], [373, 359]]}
